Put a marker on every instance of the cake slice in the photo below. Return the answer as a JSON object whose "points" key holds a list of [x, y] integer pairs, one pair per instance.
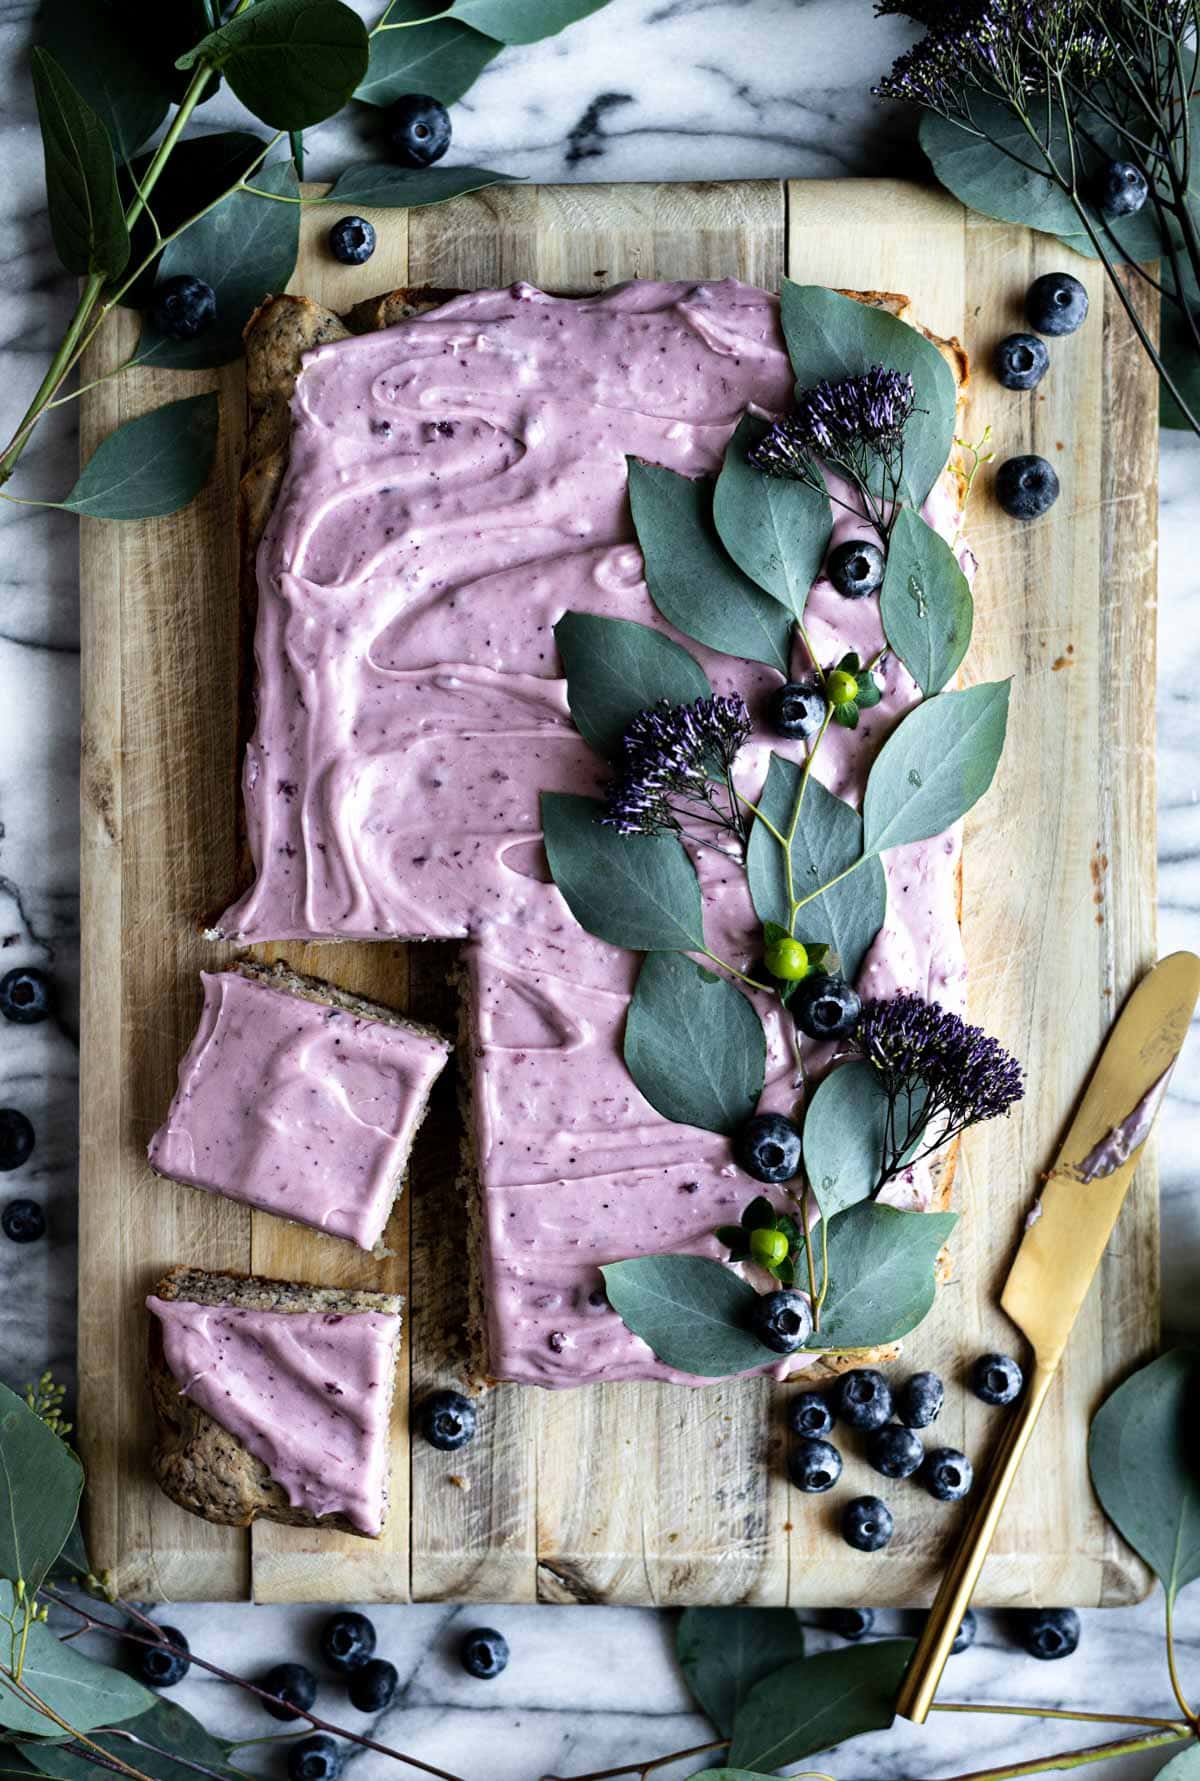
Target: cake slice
{"points": [[273, 1400], [299, 1100]]}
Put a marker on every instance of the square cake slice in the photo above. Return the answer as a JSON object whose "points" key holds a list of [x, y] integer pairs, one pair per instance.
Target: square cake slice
{"points": [[273, 1399], [299, 1100]]}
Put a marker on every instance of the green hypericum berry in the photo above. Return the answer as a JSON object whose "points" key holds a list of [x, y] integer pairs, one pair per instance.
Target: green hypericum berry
{"points": [[787, 959], [840, 687], [768, 1248]]}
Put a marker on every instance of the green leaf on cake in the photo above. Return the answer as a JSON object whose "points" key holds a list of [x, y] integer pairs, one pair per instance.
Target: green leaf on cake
{"points": [[103, 56], [292, 63], [694, 1045], [820, 1701], [724, 1652], [695, 585], [845, 1131], [846, 917], [442, 57], [84, 1693], [1142, 1456], [925, 603], [638, 891], [40, 1485], [616, 668], [523, 21], [936, 764], [407, 188], [150, 466], [692, 1312], [881, 1280], [87, 219], [775, 528], [830, 336], [171, 1745]]}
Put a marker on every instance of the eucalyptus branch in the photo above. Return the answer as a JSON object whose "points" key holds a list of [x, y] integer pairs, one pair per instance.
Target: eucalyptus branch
{"points": [[643, 1768], [1167, 1725], [1076, 1759], [26, 1694]]}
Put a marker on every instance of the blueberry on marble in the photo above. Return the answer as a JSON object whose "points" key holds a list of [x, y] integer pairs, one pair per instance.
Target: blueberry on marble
{"points": [[781, 1321], [25, 995], [796, 710], [484, 1653], [894, 1452], [810, 1413], [352, 240], [855, 568], [347, 1640], [372, 1688], [867, 1524], [1026, 486], [947, 1474], [997, 1379], [17, 1140], [768, 1147], [162, 1668], [183, 307], [850, 1623], [919, 1400], [418, 130], [1048, 1633], [1122, 189], [296, 1687], [318, 1758], [1021, 361], [23, 1221], [825, 1007], [814, 1466], [447, 1420], [863, 1398], [1056, 303], [964, 1638]]}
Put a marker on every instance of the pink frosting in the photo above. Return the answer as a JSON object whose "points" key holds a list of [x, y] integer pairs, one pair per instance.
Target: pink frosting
{"points": [[297, 1108], [456, 484], [306, 1392]]}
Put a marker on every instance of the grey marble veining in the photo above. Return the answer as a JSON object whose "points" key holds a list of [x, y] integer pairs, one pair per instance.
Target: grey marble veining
{"points": [[646, 89]]}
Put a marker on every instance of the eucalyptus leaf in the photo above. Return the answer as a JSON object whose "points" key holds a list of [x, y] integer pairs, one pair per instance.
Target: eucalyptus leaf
{"points": [[723, 1652], [1145, 1467], [775, 528], [87, 220], [40, 1485], [444, 58], [881, 1281], [616, 668], [828, 840], [845, 1132], [105, 60], [291, 62], [694, 584], [198, 171], [691, 1311], [638, 891], [165, 1728], [84, 1693], [820, 1701], [694, 1045], [245, 248], [523, 21], [925, 603], [936, 764], [1184, 1767], [1180, 357], [830, 336], [406, 188], [150, 466]]}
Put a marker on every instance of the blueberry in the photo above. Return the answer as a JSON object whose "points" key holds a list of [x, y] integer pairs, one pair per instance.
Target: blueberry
{"points": [[295, 1684], [23, 1221], [863, 1399], [796, 710], [1048, 1632], [810, 1413], [782, 1321], [825, 1007], [1026, 486], [447, 1420], [25, 995], [997, 1379], [372, 1688], [1021, 361], [855, 568], [894, 1452], [183, 307], [352, 240], [162, 1668], [768, 1147], [919, 1400], [418, 130], [484, 1653], [317, 1758], [16, 1139], [347, 1640], [948, 1475], [867, 1524], [1056, 303], [1123, 189], [964, 1638], [850, 1623], [814, 1466]]}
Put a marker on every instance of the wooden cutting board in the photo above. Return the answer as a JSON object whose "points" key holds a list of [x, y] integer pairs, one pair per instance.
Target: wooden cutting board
{"points": [[637, 1493]]}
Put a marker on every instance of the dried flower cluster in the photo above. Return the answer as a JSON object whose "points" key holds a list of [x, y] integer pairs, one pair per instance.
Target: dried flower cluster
{"points": [[1011, 45], [673, 758]]}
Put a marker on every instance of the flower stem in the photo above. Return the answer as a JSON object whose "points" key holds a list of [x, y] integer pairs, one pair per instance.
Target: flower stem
{"points": [[642, 1768], [1166, 1725], [1172, 1666], [1076, 1759], [734, 972]]}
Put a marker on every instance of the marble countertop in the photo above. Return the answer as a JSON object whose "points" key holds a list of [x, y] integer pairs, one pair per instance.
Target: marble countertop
{"points": [[646, 89]]}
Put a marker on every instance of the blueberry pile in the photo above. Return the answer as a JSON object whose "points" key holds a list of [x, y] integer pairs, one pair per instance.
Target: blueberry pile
{"points": [[26, 997], [1055, 304]]}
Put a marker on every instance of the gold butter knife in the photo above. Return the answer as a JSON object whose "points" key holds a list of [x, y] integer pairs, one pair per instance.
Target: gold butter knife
{"points": [[1064, 1240]]}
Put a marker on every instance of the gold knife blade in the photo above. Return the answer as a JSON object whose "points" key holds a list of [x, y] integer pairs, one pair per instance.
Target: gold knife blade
{"points": [[1064, 1240]]}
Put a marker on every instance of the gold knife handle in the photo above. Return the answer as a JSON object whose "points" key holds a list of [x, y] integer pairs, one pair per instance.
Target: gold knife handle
{"points": [[953, 1598]]}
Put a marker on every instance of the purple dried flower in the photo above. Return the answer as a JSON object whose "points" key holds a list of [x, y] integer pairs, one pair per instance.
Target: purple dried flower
{"points": [[1012, 47], [669, 757]]}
